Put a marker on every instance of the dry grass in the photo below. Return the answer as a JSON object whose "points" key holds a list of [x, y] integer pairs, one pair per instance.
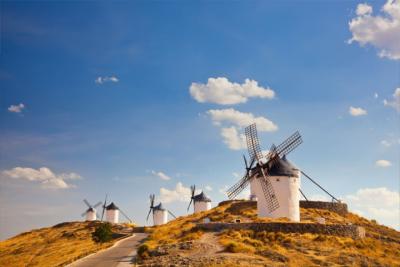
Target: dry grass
{"points": [[381, 247], [53, 246]]}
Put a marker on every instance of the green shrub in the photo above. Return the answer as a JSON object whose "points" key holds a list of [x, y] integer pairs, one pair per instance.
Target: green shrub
{"points": [[143, 251], [102, 233]]}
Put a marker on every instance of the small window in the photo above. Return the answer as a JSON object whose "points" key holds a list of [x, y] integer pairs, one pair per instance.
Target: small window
{"points": [[277, 179]]}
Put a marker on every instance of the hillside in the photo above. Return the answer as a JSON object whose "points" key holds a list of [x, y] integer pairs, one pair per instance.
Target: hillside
{"points": [[179, 242], [54, 246]]}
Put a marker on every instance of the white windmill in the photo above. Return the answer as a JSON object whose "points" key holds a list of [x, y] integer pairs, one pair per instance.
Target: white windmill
{"points": [[274, 181], [112, 212], [160, 214], [90, 213], [200, 202]]}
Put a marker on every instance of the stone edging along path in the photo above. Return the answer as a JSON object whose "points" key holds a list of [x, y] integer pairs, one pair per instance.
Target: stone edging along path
{"points": [[345, 230]]}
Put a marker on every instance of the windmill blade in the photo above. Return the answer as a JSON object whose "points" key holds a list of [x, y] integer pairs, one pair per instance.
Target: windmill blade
{"points": [[269, 193], [190, 203], [126, 216], [147, 218], [171, 214], [104, 207], [235, 190], [253, 144], [245, 162], [87, 203], [289, 144], [83, 214], [97, 204]]}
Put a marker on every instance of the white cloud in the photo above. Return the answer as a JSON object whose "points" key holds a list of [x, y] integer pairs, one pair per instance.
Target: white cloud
{"points": [[180, 193], [208, 188], [241, 119], [383, 163], [396, 100], [104, 79], [376, 203], [363, 9], [357, 111], [232, 122], [16, 108], [43, 175], [376, 95], [233, 139], [386, 143], [161, 175], [381, 31], [319, 197], [222, 91]]}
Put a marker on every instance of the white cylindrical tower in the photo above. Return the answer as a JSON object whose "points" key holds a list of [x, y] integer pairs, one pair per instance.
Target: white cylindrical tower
{"points": [[160, 215], [285, 179], [253, 185], [201, 202], [112, 213], [91, 214]]}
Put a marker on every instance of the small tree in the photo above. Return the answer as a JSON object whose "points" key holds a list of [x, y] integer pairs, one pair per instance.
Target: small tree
{"points": [[102, 233]]}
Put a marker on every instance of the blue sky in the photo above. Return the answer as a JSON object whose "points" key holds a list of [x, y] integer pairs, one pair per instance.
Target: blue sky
{"points": [[98, 94]]}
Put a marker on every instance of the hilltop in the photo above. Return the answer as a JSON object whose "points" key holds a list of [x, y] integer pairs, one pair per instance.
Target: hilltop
{"points": [[183, 242], [55, 246], [180, 242]]}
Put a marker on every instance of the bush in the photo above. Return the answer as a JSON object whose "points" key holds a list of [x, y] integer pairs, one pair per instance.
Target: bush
{"points": [[143, 251], [235, 247], [102, 233]]}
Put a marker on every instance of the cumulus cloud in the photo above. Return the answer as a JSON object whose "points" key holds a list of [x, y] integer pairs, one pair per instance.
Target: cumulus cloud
{"points": [[16, 108], [208, 188], [161, 175], [43, 175], [383, 163], [222, 91], [232, 123], [357, 111], [104, 79], [386, 143], [381, 31], [180, 193], [379, 203], [395, 103]]}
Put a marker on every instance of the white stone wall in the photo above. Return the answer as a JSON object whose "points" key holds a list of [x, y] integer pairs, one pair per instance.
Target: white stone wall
{"points": [[90, 216], [288, 195], [201, 206], [160, 217], [112, 216]]}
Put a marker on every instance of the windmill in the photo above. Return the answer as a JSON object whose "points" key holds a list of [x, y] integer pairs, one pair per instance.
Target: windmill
{"points": [[160, 214], [200, 202], [273, 179], [112, 213], [90, 213]]}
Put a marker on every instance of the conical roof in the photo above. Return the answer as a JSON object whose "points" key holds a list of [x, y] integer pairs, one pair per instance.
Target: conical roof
{"points": [[283, 167], [90, 209], [201, 198], [159, 207], [112, 206]]}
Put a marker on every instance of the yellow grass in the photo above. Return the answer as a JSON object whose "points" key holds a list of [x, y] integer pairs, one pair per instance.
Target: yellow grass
{"points": [[53, 246], [381, 247]]}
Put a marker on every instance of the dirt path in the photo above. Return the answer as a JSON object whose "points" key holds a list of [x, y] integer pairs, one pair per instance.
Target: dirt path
{"points": [[119, 255]]}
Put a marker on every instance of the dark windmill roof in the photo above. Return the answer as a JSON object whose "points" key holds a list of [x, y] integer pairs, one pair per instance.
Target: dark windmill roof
{"points": [[201, 198], [112, 207], [159, 207], [283, 167], [90, 209]]}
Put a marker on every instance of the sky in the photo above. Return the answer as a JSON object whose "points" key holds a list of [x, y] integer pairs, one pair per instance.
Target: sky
{"points": [[133, 98]]}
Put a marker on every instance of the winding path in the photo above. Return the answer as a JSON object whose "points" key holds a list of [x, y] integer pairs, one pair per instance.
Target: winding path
{"points": [[119, 255]]}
